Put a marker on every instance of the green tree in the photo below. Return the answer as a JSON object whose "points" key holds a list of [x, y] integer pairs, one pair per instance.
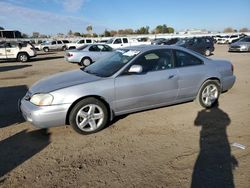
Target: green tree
{"points": [[228, 30], [89, 29], [70, 33], [94, 35], [107, 33], [24, 35], [244, 30], [170, 30], [164, 28], [77, 34], [1, 28]]}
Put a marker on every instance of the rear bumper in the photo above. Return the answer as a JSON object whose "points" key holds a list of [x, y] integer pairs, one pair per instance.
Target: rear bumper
{"points": [[228, 82], [71, 60], [45, 116]]}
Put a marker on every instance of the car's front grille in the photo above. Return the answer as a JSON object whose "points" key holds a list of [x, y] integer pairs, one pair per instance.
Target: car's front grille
{"points": [[235, 47]]}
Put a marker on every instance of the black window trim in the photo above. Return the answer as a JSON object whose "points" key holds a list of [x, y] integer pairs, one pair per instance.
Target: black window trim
{"points": [[175, 59]]}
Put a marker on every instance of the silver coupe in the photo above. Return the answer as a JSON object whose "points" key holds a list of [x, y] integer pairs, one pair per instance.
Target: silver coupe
{"points": [[128, 80]]}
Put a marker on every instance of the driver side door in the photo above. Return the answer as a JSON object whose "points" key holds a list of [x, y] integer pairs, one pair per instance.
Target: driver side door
{"points": [[155, 86]]}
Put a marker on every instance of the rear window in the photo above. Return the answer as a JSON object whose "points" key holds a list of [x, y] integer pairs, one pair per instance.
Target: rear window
{"points": [[82, 47]]}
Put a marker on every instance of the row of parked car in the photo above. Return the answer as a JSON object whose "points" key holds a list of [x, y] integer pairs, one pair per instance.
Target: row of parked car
{"points": [[86, 51], [89, 53]]}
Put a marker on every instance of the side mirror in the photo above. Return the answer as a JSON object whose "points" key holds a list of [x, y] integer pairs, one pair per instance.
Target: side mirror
{"points": [[135, 69]]}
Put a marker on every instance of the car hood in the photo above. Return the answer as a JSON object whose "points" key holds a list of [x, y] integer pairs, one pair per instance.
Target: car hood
{"points": [[62, 80], [240, 43]]}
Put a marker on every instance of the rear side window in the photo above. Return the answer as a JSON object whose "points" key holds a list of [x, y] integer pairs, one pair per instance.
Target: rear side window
{"points": [[59, 42], [88, 41], [53, 42], [184, 59], [107, 48], [125, 40]]}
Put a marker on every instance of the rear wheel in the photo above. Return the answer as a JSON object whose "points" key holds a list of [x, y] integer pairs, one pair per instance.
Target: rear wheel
{"points": [[88, 116], [85, 61], [209, 94], [23, 57], [46, 49]]}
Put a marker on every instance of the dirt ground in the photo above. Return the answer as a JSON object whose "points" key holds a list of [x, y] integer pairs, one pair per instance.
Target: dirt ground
{"points": [[177, 146]]}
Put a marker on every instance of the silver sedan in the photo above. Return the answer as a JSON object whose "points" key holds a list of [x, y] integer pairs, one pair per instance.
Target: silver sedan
{"points": [[87, 54], [128, 80], [243, 45]]}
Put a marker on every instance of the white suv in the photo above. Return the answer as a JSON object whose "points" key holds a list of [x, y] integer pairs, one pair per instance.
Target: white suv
{"points": [[52, 45], [21, 51]]}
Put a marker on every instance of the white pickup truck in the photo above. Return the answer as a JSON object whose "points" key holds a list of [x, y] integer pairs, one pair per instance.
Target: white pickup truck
{"points": [[119, 42], [79, 43], [20, 51]]}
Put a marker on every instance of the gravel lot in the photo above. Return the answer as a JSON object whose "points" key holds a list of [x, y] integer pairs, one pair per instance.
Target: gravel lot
{"points": [[178, 146]]}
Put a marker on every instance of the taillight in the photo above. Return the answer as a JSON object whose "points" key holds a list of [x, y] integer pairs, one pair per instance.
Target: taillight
{"points": [[69, 55]]}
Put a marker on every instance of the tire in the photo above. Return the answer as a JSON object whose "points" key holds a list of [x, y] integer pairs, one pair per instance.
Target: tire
{"points": [[23, 57], [46, 49], [209, 93], [64, 48], [86, 61], [207, 52], [91, 113]]}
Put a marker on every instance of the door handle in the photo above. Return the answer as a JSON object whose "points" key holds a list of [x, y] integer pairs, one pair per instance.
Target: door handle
{"points": [[171, 76]]}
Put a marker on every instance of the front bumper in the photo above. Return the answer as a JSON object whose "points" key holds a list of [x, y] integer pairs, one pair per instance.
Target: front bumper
{"points": [[44, 116], [238, 49]]}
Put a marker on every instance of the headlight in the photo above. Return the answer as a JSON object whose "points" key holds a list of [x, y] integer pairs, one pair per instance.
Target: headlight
{"points": [[42, 99], [243, 47]]}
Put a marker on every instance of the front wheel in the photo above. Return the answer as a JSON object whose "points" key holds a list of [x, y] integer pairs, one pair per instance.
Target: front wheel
{"points": [[207, 52], [88, 116], [209, 94]]}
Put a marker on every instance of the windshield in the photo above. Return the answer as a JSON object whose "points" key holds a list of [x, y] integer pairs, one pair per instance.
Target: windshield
{"points": [[110, 41], [245, 39], [182, 41], [111, 63]]}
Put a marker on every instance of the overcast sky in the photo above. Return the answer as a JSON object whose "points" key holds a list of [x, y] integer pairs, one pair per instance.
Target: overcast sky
{"points": [[54, 16]]}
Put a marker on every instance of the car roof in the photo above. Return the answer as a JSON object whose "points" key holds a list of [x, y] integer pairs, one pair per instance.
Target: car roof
{"points": [[145, 48]]}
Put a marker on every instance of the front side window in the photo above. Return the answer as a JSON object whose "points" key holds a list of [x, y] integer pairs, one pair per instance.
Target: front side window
{"points": [[81, 42], [156, 60], [59, 42], [184, 59], [53, 42], [94, 48], [118, 41]]}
